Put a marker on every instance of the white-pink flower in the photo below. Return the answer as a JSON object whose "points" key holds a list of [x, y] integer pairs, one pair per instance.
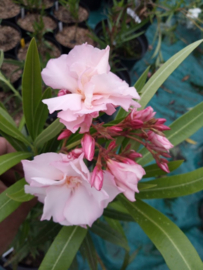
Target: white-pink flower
{"points": [[159, 141], [126, 176], [84, 74], [63, 185]]}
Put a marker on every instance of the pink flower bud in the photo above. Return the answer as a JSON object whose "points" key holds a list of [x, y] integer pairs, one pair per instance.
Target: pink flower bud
{"points": [[97, 178], [128, 161], [75, 153], [161, 127], [159, 141], [112, 145], [134, 155], [163, 165], [64, 134], [115, 129], [88, 146], [160, 121]]}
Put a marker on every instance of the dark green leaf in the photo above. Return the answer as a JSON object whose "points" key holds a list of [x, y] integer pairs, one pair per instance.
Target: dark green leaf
{"points": [[154, 170], [7, 161], [42, 112], [7, 205], [64, 248], [17, 145], [31, 86], [111, 213], [174, 186], [50, 132], [172, 243], [107, 233]]}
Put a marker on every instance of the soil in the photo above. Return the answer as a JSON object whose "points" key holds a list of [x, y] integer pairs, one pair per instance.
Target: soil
{"points": [[66, 36], [8, 9], [63, 15], [9, 38], [28, 21], [12, 72], [47, 51]]}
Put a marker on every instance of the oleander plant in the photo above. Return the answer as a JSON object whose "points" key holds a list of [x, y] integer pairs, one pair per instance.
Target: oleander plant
{"points": [[87, 174]]}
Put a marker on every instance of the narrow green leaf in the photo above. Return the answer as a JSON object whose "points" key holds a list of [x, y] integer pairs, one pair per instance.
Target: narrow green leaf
{"points": [[31, 86], [142, 186], [181, 129], [88, 251], [7, 161], [7, 82], [164, 72], [154, 170], [42, 112], [50, 132], [64, 248], [7, 205], [107, 233], [8, 127], [111, 213], [172, 243], [115, 224], [7, 116], [17, 145], [21, 196], [174, 186]]}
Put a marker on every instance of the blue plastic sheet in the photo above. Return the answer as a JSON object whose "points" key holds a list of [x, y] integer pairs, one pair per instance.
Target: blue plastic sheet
{"points": [[173, 99]]}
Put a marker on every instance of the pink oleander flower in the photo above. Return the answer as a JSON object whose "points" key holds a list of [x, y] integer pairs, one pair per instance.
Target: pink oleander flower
{"points": [[85, 73], [159, 141], [63, 186], [126, 176]]}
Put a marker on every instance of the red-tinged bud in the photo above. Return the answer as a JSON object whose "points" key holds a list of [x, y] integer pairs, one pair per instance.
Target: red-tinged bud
{"points": [[88, 146], [127, 161], [97, 178], [163, 165], [112, 145], [134, 155], [115, 129], [161, 127], [65, 134], [136, 124], [160, 121], [164, 154]]}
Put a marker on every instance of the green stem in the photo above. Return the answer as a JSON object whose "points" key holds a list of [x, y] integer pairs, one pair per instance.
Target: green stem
{"points": [[73, 144]]}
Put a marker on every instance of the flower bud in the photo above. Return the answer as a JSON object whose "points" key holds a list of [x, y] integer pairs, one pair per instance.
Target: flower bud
{"points": [[163, 165], [112, 145], [88, 146], [159, 141], [134, 155], [97, 178], [115, 129], [160, 121], [64, 134]]}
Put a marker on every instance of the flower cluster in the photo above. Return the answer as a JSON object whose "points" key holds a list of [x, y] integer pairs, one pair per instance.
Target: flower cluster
{"points": [[73, 194]]}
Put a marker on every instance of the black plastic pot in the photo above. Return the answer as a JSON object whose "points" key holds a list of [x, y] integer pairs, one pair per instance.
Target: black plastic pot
{"points": [[25, 33], [11, 19], [92, 4], [82, 23], [48, 38], [7, 23]]}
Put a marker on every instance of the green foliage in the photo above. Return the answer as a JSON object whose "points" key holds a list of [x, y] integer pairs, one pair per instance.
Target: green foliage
{"points": [[172, 243], [64, 248]]}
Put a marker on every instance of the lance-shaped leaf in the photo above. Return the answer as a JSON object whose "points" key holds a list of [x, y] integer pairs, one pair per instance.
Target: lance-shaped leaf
{"points": [[164, 72], [31, 86], [7, 205], [41, 112], [154, 170], [138, 86], [88, 251], [174, 186], [64, 248], [107, 233], [17, 145], [50, 132], [111, 213], [7, 161], [7, 126], [172, 243], [181, 129]]}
